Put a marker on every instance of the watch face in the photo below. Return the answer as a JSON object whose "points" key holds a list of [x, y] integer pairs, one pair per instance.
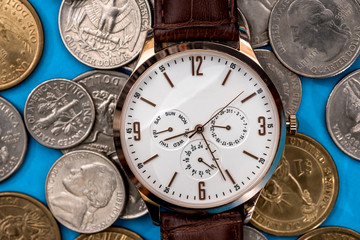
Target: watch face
{"points": [[200, 128]]}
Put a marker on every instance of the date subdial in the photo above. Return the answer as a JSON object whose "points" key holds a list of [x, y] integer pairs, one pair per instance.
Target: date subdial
{"points": [[229, 128], [168, 123], [197, 161]]}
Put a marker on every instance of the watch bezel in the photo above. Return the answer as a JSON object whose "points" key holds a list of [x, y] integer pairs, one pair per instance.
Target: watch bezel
{"points": [[146, 193]]}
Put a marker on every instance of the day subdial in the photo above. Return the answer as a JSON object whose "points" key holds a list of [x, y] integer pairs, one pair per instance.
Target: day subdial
{"points": [[197, 161], [229, 128], [166, 125]]}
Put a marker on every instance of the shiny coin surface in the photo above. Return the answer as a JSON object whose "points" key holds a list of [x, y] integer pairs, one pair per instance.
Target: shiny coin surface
{"points": [[59, 113], [21, 41], [111, 233], [315, 38], [104, 34], [286, 82], [104, 88], [13, 139], [342, 114], [327, 233], [85, 191], [253, 234], [301, 193], [24, 217], [257, 14]]}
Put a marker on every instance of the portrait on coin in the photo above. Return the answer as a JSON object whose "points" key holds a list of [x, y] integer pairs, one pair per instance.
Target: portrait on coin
{"points": [[86, 190], [351, 93], [315, 29]]}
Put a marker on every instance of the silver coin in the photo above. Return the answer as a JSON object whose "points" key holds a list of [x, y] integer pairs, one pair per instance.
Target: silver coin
{"points": [[85, 191], [343, 114], [13, 139], [252, 234], [315, 38], [104, 88], [286, 82], [59, 113], [257, 14], [104, 34]]}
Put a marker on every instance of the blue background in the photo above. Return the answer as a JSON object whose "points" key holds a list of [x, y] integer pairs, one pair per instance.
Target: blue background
{"points": [[57, 62]]}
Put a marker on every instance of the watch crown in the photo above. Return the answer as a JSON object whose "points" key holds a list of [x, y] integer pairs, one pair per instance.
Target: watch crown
{"points": [[292, 124]]}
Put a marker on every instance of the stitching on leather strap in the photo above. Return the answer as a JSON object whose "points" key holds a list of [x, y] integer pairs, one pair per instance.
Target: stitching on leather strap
{"points": [[162, 12]]}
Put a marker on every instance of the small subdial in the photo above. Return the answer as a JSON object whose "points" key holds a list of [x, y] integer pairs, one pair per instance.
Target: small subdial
{"points": [[229, 128], [197, 161], [168, 124]]}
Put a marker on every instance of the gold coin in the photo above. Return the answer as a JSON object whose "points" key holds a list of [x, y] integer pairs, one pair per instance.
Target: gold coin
{"points": [[326, 233], [301, 193], [21, 41], [23, 217], [111, 234]]}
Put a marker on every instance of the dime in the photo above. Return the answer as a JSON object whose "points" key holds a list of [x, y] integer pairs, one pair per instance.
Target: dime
{"points": [[326, 233], [342, 114], [59, 113], [252, 234], [23, 217], [315, 38], [111, 233], [104, 88], [286, 82], [13, 139], [257, 14], [301, 193], [21, 41], [104, 34], [85, 191]]}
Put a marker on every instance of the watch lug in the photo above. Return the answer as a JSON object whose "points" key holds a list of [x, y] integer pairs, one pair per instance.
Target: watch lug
{"points": [[249, 207], [148, 50], [153, 208]]}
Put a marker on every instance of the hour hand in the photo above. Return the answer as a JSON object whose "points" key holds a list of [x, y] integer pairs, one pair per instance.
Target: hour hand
{"points": [[170, 129]]}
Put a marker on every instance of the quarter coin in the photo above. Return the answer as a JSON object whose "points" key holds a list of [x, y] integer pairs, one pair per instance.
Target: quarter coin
{"points": [[111, 233], [85, 191], [59, 113], [13, 139], [331, 233], [286, 82], [24, 217], [107, 34], [301, 193], [21, 41], [252, 234], [342, 114], [314, 38]]}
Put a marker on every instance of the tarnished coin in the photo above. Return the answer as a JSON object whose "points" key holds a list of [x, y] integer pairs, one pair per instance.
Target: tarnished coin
{"points": [[85, 191], [252, 234], [286, 82], [301, 193], [257, 14], [327, 233], [13, 139], [104, 88], [343, 114], [315, 38], [111, 233], [23, 217], [104, 34], [21, 41], [59, 113]]}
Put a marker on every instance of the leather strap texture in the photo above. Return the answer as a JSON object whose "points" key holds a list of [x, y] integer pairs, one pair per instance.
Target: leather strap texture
{"points": [[181, 20], [222, 226]]}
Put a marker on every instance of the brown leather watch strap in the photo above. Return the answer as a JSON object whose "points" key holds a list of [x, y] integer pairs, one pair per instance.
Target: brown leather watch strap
{"points": [[180, 20], [221, 226]]}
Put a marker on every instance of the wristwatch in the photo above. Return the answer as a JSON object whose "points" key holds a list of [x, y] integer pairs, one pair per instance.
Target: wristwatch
{"points": [[199, 123]]}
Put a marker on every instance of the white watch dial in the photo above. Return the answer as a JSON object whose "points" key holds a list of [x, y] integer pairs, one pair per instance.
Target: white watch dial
{"points": [[209, 166]]}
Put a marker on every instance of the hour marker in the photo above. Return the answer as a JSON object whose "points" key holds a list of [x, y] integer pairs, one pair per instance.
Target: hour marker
{"points": [[229, 175], [172, 179], [226, 78], [248, 97], [250, 155], [152, 158], [168, 79], [147, 101]]}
